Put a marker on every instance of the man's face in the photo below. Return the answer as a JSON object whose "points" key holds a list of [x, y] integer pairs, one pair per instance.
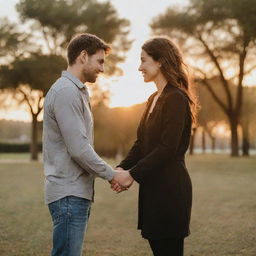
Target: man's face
{"points": [[93, 66]]}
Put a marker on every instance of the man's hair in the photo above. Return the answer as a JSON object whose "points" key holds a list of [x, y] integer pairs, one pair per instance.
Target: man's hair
{"points": [[88, 42]]}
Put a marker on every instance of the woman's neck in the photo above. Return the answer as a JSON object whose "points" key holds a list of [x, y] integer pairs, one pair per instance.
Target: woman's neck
{"points": [[160, 83]]}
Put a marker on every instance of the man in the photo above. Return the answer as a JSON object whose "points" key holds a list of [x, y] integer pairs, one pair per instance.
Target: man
{"points": [[70, 162]]}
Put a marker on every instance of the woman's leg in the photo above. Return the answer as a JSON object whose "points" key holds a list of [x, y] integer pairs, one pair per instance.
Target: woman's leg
{"points": [[167, 247]]}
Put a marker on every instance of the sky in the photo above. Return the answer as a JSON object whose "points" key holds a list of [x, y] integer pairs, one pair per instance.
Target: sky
{"points": [[131, 85], [130, 88]]}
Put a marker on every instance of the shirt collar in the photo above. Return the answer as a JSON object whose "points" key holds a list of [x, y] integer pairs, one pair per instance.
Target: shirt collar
{"points": [[73, 78]]}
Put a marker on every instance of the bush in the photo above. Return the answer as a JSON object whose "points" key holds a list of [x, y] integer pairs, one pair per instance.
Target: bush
{"points": [[17, 147]]}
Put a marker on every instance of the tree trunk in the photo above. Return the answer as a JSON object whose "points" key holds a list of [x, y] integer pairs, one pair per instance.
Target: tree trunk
{"points": [[33, 143], [203, 141], [213, 143], [192, 141], [234, 137], [246, 140]]}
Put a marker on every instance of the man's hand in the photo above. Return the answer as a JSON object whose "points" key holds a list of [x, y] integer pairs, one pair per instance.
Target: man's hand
{"points": [[119, 169], [123, 180], [115, 186]]}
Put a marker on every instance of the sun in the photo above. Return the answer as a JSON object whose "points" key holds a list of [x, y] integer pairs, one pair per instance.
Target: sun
{"points": [[126, 91]]}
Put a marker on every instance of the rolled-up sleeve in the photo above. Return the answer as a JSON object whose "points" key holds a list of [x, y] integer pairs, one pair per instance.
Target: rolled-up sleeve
{"points": [[68, 111]]}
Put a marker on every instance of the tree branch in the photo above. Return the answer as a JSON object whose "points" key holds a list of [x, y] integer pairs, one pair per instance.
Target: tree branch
{"points": [[245, 72], [239, 94], [39, 108], [46, 40], [249, 70], [216, 62], [212, 92], [26, 99]]}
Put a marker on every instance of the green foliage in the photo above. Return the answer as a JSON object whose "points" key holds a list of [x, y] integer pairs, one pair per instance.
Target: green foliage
{"points": [[242, 11], [69, 17], [226, 25], [54, 22], [13, 42], [38, 71], [65, 18]]}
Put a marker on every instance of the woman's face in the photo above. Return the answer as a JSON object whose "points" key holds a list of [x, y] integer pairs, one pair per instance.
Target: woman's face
{"points": [[150, 68]]}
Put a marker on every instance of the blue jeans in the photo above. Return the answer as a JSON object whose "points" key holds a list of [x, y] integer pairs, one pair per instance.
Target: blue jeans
{"points": [[70, 217]]}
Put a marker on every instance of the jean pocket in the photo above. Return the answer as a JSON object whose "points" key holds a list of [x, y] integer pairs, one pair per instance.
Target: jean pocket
{"points": [[55, 211], [79, 207]]}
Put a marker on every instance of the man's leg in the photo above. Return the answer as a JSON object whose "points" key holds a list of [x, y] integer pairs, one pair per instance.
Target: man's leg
{"points": [[70, 217]]}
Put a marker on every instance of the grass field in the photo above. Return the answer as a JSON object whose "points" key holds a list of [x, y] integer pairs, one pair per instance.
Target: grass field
{"points": [[223, 216]]}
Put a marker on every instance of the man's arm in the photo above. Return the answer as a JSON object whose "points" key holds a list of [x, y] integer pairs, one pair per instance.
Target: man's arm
{"points": [[68, 112]]}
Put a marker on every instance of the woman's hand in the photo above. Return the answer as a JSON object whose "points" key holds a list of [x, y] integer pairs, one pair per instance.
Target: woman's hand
{"points": [[122, 180]]}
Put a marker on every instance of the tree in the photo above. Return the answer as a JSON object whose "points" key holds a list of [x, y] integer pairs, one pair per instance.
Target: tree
{"points": [[32, 72], [248, 117], [13, 43], [220, 38], [67, 17], [209, 115], [119, 124], [31, 78]]}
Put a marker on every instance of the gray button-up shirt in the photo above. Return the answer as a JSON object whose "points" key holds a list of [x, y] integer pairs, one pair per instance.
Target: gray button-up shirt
{"points": [[70, 162]]}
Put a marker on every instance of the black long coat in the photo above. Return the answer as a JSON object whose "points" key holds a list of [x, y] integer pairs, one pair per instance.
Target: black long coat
{"points": [[157, 163]]}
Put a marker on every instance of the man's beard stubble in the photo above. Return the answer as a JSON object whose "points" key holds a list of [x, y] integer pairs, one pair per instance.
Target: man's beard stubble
{"points": [[90, 76]]}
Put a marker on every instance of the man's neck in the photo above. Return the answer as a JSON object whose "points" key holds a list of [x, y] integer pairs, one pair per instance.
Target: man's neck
{"points": [[76, 72]]}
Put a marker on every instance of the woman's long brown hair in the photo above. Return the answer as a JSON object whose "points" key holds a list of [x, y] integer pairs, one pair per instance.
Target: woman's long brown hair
{"points": [[164, 51]]}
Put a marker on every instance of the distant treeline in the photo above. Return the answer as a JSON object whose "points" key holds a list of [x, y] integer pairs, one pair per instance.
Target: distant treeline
{"points": [[17, 147], [14, 131], [114, 131]]}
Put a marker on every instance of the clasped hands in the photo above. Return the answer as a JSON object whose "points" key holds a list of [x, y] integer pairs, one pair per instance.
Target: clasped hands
{"points": [[121, 181]]}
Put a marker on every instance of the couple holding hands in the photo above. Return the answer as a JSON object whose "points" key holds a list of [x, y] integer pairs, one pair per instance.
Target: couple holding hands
{"points": [[155, 161]]}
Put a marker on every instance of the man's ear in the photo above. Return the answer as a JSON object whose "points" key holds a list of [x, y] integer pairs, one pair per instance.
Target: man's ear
{"points": [[83, 57]]}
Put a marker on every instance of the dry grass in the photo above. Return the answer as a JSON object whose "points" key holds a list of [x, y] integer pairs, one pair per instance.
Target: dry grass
{"points": [[223, 217]]}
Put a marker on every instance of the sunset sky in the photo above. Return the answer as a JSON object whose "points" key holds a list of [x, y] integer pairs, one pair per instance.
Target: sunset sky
{"points": [[130, 88]]}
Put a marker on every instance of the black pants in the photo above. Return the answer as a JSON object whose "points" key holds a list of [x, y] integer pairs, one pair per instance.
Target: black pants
{"points": [[167, 247]]}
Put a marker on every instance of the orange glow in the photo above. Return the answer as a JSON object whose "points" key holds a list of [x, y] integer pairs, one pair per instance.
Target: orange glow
{"points": [[127, 92], [130, 88], [16, 115], [222, 130], [250, 80]]}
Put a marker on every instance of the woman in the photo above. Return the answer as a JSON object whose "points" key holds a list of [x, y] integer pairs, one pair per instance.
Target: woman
{"points": [[156, 160]]}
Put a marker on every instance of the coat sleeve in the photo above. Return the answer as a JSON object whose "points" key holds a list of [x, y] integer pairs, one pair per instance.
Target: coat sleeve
{"points": [[174, 114], [132, 157], [134, 154]]}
